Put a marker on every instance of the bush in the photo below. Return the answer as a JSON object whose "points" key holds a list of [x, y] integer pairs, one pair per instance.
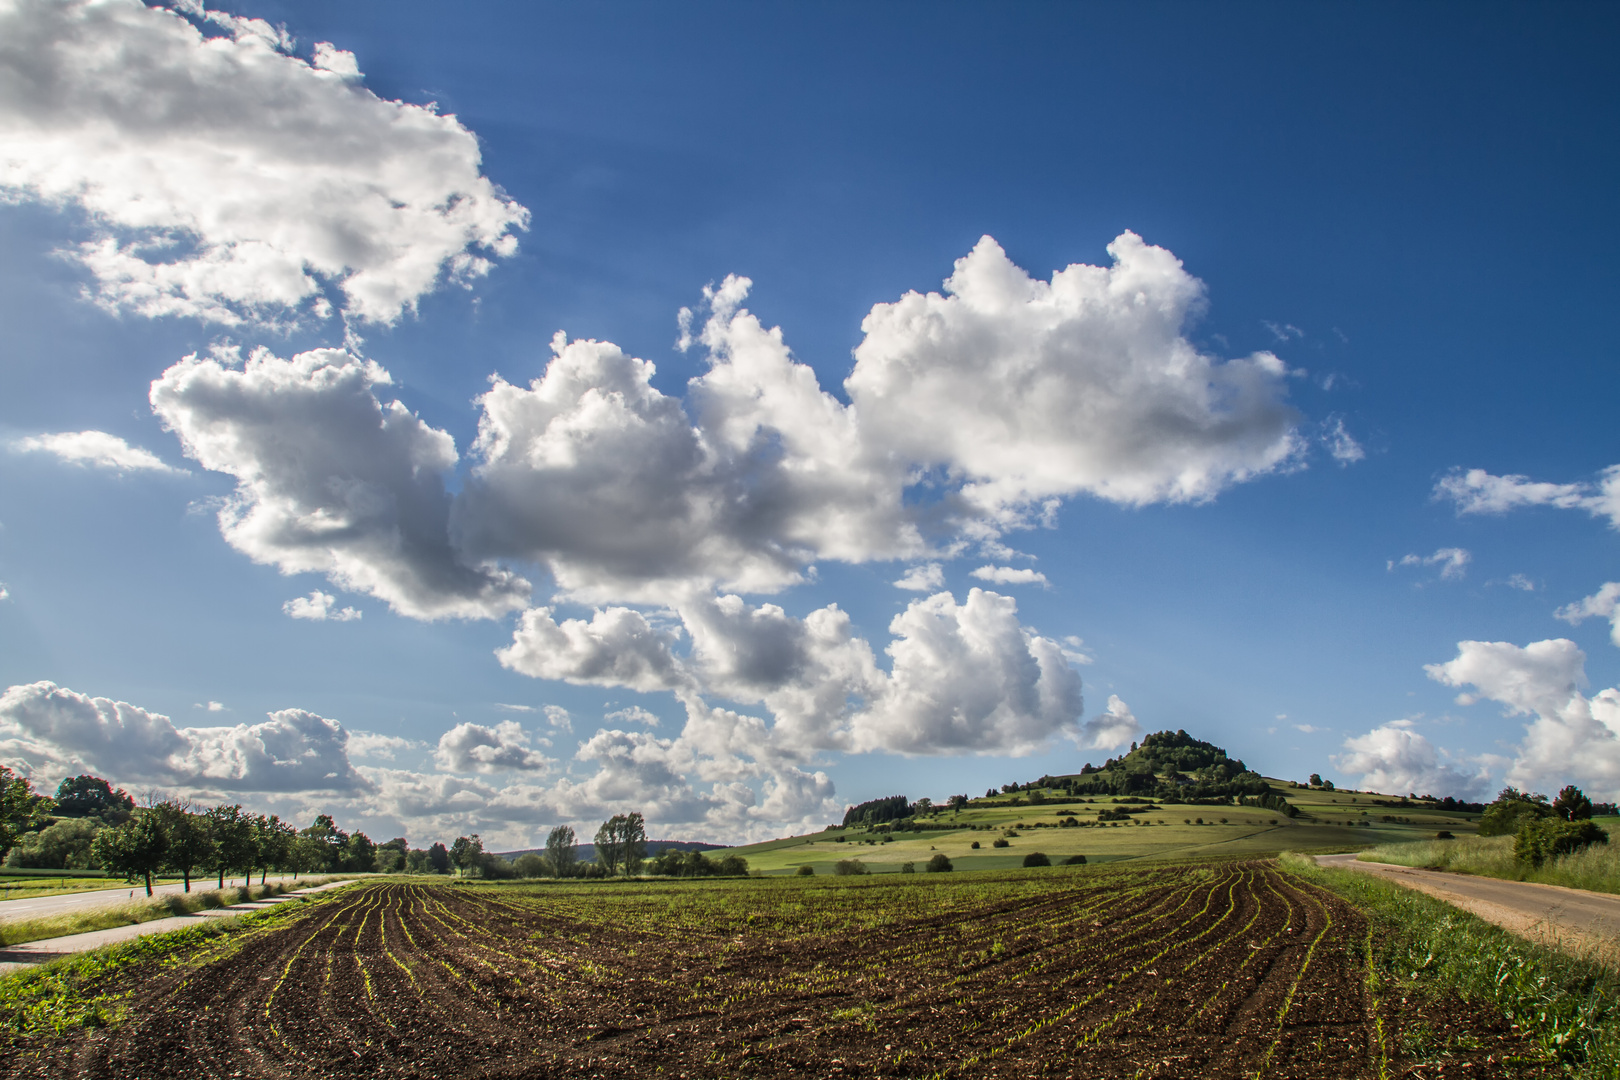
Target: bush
{"points": [[1443, 835], [908, 868], [1000, 842], [805, 870], [940, 863], [1544, 838], [1075, 860], [849, 868], [975, 845], [1036, 858]]}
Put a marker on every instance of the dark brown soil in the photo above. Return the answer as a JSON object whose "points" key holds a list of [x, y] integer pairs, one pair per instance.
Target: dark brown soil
{"points": [[1216, 971]]}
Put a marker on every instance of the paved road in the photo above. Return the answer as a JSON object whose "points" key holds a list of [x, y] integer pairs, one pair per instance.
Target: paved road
{"points": [[17, 957], [40, 906], [1551, 914]]}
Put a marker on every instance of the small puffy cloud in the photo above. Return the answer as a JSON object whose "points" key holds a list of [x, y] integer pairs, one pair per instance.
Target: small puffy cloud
{"points": [[210, 706], [558, 718], [969, 678], [96, 448], [1084, 384], [1570, 737], [1522, 583], [1007, 575], [1310, 729], [1603, 604], [57, 731], [927, 577], [320, 607], [617, 647], [330, 480], [5, 593], [1479, 492], [1395, 759], [370, 744], [475, 748], [1114, 726], [1453, 562], [225, 179], [635, 714], [1341, 444]]}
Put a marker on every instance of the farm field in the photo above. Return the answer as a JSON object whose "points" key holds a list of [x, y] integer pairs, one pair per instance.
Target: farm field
{"points": [[1217, 969], [1329, 820]]}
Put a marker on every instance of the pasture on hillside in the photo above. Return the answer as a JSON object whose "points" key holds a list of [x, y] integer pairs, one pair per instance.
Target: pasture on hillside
{"points": [[1210, 969]]}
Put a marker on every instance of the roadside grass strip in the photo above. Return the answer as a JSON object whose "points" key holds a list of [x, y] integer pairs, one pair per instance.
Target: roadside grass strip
{"points": [[1568, 1006]]}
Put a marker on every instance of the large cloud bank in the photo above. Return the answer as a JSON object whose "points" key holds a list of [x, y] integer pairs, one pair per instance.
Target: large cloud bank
{"points": [[1570, 735], [225, 178]]}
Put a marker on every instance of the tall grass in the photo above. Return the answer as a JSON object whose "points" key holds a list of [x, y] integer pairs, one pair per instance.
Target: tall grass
{"points": [[1596, 868], [19, 931], [1567, 1005]]}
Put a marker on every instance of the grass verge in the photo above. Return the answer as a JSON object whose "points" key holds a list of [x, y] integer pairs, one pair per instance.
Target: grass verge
{"points": [[1567, 1006], [1597, 868], [72, 992], [19, 931]]}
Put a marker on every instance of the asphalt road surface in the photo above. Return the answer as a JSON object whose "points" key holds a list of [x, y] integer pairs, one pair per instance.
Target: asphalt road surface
{"points": [[1569, 918], [38, 907]]}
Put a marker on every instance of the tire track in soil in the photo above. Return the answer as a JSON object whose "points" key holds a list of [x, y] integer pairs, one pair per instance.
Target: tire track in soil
{"points": [[1224, 970]]}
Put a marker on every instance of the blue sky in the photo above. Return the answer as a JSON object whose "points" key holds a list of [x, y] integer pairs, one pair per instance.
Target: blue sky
{"points": [[1393, 225]]}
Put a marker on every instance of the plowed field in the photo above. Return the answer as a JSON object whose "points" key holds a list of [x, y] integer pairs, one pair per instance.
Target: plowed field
{"points": [[1223, 970]]}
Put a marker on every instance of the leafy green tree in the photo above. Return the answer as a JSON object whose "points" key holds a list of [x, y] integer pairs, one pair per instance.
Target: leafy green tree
{"points": [[940, 863], [134, 849], [20, 809], [562, 850], [1542, 839], [467, 853], [1316, 780], [331, 842], [393, 855], [191, 840], [438, 857], [80, 796], [359, 854], [62, 845], [232, 834], [273, 841], [531, 865], [1511, 810], [1036, 858], [1572, 804], [621, 843]]}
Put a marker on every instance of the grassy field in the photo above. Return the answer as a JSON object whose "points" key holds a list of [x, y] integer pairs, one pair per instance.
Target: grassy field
{"points": [[1597, 868], [22, 886], [1328, 821]]}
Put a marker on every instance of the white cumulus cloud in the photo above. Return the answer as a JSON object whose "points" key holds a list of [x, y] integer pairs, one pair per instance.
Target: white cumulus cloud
{"points": [[617, 647], [476, 748], [1603, 604], [330, 480], [1008, 575], [320, 607], [925, 577], [1114, 726], [1479, 492], [226, 179], [1084, 384], [96, 448], [1396, 760], [1452, 561], [57, 731], [1571, 737]]}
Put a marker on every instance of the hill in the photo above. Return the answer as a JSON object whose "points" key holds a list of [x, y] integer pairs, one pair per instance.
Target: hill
{"points": [[1170, 796]]}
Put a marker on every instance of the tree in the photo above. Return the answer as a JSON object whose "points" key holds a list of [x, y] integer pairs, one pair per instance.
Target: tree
{"points": [[393, 855], [1511, 810], [940, 863], [562, 850], [466, 853], [272, 843], [531, 865], [80, 796], [359, 854], [191, 842], [1316, 780], [1036, 858], [621, 842], [438, 857], [232, 834], [20, 809], [332, 841], [1572, 804], [136, 848], [63, 845]]}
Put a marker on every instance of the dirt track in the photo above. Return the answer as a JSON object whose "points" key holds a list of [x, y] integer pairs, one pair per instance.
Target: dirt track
{"points": [[1217, 971]]}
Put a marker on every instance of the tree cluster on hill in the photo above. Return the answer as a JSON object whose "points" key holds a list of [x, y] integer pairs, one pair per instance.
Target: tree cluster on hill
{"points": [[1168, 766], [877, 811]]}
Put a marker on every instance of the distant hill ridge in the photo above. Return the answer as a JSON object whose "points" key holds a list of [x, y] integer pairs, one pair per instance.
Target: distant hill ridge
{"points": [[587, 852]]}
